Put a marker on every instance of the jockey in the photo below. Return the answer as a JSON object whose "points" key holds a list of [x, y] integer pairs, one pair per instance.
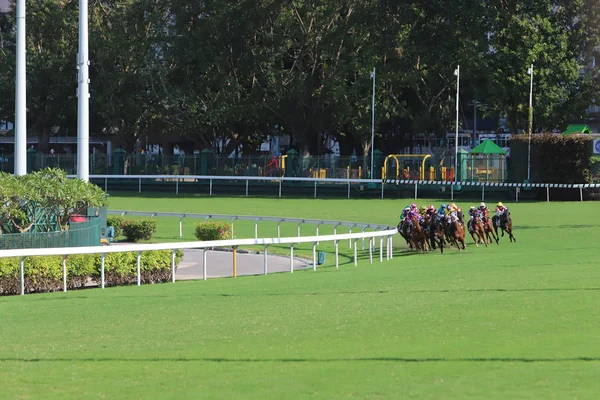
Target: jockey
{"points": [[500, 209], [431, 210], [472, 212], [423, 210], [404, 213], [442, 210], [483, 209]]}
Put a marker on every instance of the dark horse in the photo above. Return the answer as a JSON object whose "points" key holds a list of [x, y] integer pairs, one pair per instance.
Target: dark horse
{"points": [[477, 230], [404, 230], [418, 235], [435, 231], [505, 224]]}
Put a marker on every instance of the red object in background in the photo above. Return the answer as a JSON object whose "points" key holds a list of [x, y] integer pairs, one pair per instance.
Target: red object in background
{"points": [[77, 218]]}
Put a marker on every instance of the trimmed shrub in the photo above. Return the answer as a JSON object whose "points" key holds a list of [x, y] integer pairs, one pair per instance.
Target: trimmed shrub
{"points": [[117, 223], [139, 229], [44, 274], [214, 231]]}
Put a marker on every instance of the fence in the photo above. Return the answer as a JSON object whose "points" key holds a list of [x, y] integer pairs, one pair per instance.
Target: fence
{"points": [[266, 242], [178, 180], [79, 234]]}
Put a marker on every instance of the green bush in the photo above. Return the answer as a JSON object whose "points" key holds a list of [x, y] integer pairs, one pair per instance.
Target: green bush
{"points": [[214, 231], [117, 223], [44, 274], [139, 229]]}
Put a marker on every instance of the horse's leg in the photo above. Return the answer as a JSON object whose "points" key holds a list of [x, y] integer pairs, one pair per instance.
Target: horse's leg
{"points": [[475, 239]]}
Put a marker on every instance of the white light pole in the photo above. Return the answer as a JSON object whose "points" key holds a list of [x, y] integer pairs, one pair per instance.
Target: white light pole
{"points": [[457, 73], [530, 72], [373, 123], [83, 96], [20, 93]]}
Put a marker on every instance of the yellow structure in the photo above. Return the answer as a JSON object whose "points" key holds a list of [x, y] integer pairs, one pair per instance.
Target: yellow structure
{"points": [[406, 171]]}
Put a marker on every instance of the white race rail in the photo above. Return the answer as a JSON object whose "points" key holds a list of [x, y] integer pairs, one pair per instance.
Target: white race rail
{"points": [[139, 248]]}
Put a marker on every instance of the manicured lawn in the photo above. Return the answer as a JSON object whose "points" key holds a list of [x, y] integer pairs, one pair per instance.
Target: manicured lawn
{"points": [[519, 320]]}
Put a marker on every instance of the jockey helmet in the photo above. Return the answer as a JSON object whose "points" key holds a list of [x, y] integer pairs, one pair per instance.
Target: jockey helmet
{"points": [[473, 208], [482, 205], [500, 204], [413, 205], [431, 207], [444, 205], [453, 205]]}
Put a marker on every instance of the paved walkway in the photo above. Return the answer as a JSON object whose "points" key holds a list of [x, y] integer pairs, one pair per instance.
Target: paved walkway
{"points": [[220, 264]]}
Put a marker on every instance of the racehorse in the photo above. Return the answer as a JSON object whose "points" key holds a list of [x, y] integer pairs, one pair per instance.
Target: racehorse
{"points": [[457, 233], [505, 224], [488, 227], [418, 236], [476, 229], [435, 231], [404, 230]]}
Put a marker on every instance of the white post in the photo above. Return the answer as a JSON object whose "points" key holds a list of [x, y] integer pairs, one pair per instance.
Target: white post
{"points": [[181, 226], [530, 72], [20, 94], [204, 264], [380, 248], [140, 185], [177, 186], [387, 248], [246, 187], [64, 265], [279, 188], [138, 269], [292, 258], [173, 265], [22, 276], [391, 247], [355, 255], [315, 196], [580, 193], [210, 187], [337, 259], [416, 184], [372, 123], [102, 270], [265, 259], [299, 228], [315, 256], [256, 229], [83, 97], [457, 73], [517, 194], [370, 250], [547, 194]]}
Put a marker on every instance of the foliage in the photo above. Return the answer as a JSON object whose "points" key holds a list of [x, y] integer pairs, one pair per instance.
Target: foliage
{"points": [[139, 229], [117, 223], [214, 231], [44, 274], [49, 191], [556, 158]]}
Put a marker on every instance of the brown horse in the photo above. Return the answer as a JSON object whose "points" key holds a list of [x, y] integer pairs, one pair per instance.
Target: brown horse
{"points": [[435, 231], [488, 227], [418, 235], [457, 233], [477, 230], [505, 223]]}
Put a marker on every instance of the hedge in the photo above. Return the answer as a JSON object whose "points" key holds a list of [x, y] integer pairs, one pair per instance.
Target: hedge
{"points": [[139, 229], [117, 223], [44, 274], [214, 231]]}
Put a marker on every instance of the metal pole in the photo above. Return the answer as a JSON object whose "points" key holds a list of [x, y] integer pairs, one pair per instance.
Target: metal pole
{"points": [[373, 122], [138, 264], [22, 276], [20, 94], [380, 248], [102, 257], [580, 193], [416, 185], [457, 73], [370, 250], [265, 259], [64, 265], [235, 261], [173, 266], [530, 72], [355, 256], [292, 258], [315, 256], [337, 255], [204, 264], [83, 97], [181, 226]]}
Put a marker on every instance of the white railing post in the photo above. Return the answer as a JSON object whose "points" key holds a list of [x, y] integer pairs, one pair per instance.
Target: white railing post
{"points": [[355, 255], [204, 264], [140, 186], [337, 257], [256, 228], [102, 257], [265, 259], [547, 194], [210, 187], [181, 226], [138, 268], [279, 229], [314, 256], [22, 276], [391, 247], [232, 232], [292, 258], [380, 248], [64, 265], [173, 265], [370, 250], [280, 188], [315, 189], [246, 187], [416, 190], [299, 223]]}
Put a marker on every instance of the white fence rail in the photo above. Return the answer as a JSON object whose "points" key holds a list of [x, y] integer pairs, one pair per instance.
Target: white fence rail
{"points": [[177, 179], [266, 242]]}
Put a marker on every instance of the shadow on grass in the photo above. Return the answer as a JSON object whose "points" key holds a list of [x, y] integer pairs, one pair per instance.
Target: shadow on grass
{"points": [[305, 360]]}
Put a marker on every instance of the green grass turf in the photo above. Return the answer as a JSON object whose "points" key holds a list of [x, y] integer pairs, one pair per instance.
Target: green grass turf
{"points": [[518, 320]]}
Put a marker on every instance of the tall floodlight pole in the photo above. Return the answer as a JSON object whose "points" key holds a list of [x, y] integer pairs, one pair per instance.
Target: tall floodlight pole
{"points": [[83, 102], [530, 72], [20, 100], [457, 73], [373, 123]]}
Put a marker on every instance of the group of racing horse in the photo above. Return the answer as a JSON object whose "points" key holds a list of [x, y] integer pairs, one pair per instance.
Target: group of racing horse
{"points": [[426, 227]]}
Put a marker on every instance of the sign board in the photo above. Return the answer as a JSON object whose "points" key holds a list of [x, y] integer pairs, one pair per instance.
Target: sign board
{"points": [[597, 146]]}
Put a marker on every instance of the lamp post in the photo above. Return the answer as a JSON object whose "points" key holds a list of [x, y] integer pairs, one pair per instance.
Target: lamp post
{"points": [[20, 93], [372, 122], [83, 96], [530, 72], [457, 73]]}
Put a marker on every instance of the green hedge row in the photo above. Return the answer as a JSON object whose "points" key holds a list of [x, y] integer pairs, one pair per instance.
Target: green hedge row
{"points": [[134, 230], [44, 274], [214, 230]]}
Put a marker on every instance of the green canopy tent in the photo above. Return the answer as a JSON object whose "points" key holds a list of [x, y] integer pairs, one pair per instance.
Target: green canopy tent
{"points": [[577, 128], [488, 162]]}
